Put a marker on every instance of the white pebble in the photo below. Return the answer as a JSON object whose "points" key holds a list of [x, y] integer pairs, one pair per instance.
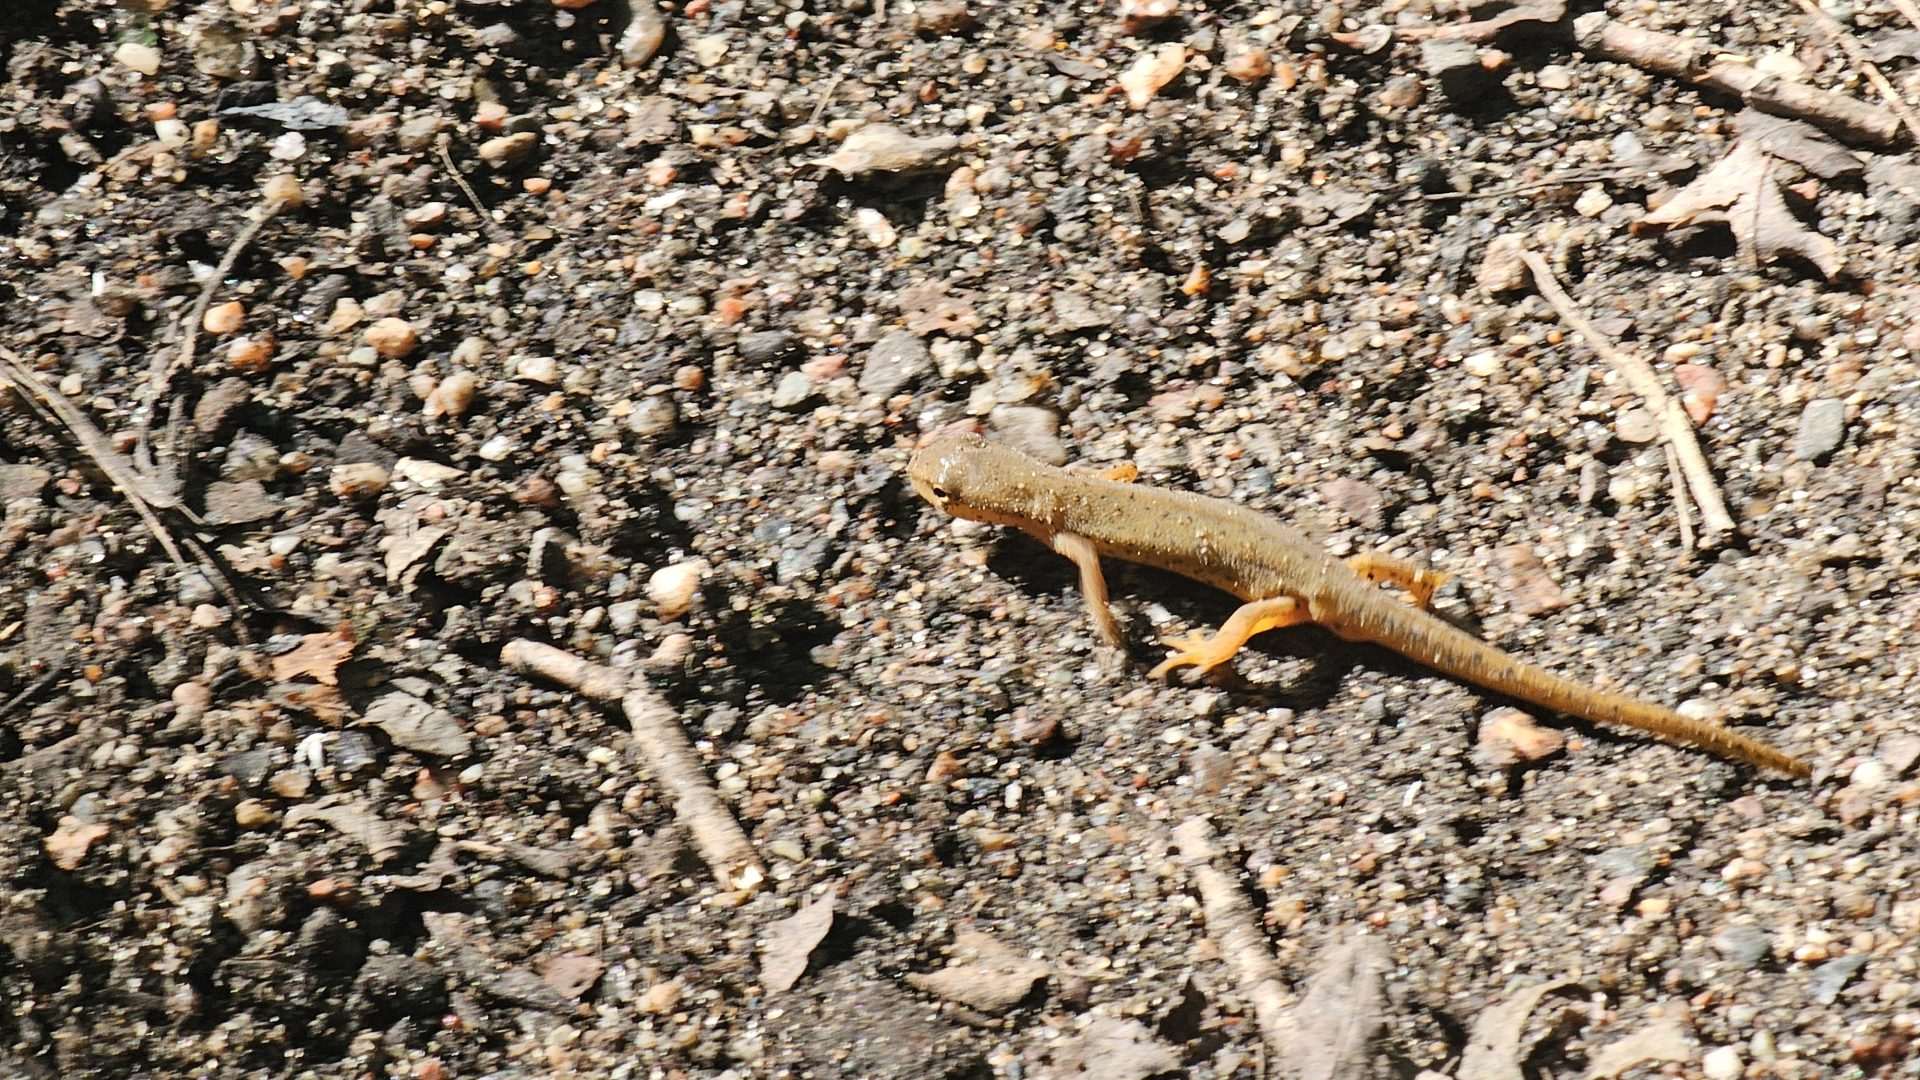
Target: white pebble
{"points": [[674, 589], [1722, 1063], [544, 370], [1482, 364], [291, 146], [1592, 202]]}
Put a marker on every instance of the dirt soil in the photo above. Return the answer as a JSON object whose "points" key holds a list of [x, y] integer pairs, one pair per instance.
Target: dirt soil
{"points": [[537, 333]]}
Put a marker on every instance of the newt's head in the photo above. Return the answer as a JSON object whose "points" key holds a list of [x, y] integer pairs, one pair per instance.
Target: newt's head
{"points": [[967, 476]]}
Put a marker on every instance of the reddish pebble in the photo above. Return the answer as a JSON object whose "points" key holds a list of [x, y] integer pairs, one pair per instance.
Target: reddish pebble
{"points": [[224, 318]]}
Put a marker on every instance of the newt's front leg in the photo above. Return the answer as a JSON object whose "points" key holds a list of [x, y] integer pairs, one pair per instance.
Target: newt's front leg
{"points": [[1093, 584], [1205, 652]]}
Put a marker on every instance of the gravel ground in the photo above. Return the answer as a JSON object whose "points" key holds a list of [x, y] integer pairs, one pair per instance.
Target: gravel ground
{"points": [[293, 817]]}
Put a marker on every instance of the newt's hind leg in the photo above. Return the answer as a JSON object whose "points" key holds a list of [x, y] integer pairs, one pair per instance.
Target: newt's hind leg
{"points": [[1419, 581], [1204, 652], [1093, 583]]}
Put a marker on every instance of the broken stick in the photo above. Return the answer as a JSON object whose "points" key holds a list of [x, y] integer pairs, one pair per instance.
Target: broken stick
{"points": [[1675, 427], [717, 836], [1236, 929], [1699, 63]]}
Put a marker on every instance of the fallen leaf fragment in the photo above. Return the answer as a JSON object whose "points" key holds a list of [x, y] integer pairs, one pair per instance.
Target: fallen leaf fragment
{"points": [[1743, 191], [984, 975], [1664, 1039], [1510, 737], [382, 838], [791, 941], [1114, 1049], [419, 726], [1329, 1031], [572, 974], [1493, 1051], [1530, 589], [68, 843], [884, 148], [317, 657], [1154, 69]]}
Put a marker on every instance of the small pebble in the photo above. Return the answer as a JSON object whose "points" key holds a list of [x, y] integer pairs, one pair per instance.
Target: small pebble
{"points": [[1636, 425], [1822, 424], [507, 151], [454, 395], [1154, 69], [394, 339], [1592, 202], [675, 589], [1249, 64], [134, 56], [357, 481], [253, 814], [1722, 1063], [224, 318]]}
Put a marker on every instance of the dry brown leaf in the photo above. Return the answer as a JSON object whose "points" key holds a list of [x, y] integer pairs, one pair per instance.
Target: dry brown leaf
{"points": [[1114, 1049], [572, 974], [1530, 589], [1743, 191], [984, 974], [1510, 737], [1329, 1030], [887, 149], [1664, 1039], [352, 818], [68, 843], [317, 657], [930, 308], [1494, 1052], [791, 941]]}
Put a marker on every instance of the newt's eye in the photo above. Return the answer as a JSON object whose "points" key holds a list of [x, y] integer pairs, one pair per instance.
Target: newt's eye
{"points": [[940, 493]]}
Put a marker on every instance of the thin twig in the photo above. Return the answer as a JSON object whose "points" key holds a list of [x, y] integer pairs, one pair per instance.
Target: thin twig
{"points": [[30, 690], [1851, 46], [161, 371], [827, 95], [1675, 426], [1680, 500], [1232, 924], [144, 493], [490, 226], [1587, 177], [726, 849]]}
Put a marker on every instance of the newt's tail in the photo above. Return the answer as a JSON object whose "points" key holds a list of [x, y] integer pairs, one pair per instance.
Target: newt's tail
{"points": [[1441, 645]]}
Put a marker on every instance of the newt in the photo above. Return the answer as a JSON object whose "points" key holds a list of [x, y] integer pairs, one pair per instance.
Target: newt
{"points": [[1281, 577]]}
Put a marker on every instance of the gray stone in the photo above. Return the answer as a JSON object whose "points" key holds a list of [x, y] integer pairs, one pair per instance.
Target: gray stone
{"points": [[1822, 423], [1743, 944], [894, 363]]}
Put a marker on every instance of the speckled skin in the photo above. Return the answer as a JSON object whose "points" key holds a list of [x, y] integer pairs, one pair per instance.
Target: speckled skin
{"points": [[1257, 558]]}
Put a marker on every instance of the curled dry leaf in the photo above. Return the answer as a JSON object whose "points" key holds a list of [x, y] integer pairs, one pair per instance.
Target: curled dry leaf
{"points": [[1510, 737], [1530, 589], [984, 974], [1154, 69], [1663, 1039], [1494, 1052], [317, 657], [1114, 1049], [1744, 191], [791, 941], [1329, 1031], [884, 148]]}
